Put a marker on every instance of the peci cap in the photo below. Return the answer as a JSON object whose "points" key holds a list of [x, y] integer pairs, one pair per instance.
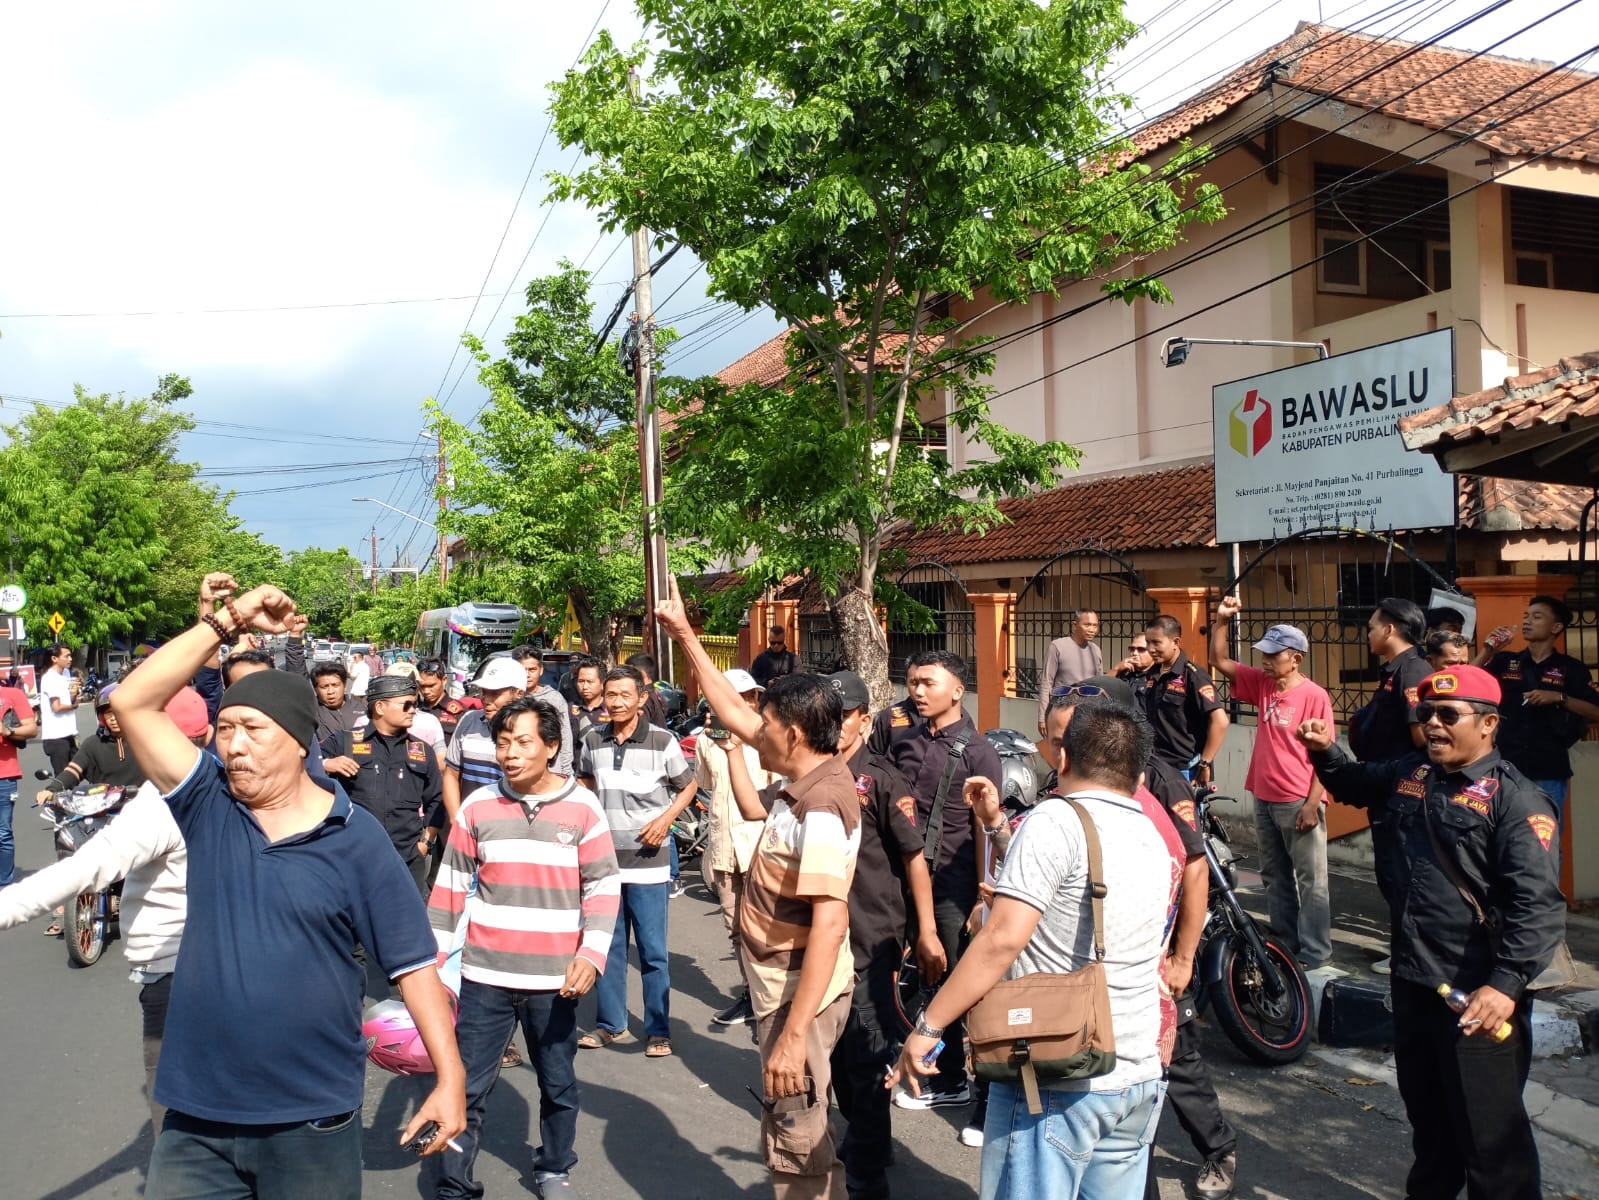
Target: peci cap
{"points": [[389, 687], [850, 689], [1283, 637], [742, 681], [500, 673], [1461, 683], [188, 712]]}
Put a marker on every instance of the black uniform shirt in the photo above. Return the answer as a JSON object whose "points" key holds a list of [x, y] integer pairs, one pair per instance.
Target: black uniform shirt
{"points": [[1380, 729], [921, 760], [1499, 830], [398, 781], [888, 834], [1179, 702], [447, 712], [1538, 739], [1177, 798], [898, 721], [585, 719]]}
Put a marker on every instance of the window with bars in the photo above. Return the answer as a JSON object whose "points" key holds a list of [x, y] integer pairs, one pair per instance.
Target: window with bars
{"points": [[1408, 260]]}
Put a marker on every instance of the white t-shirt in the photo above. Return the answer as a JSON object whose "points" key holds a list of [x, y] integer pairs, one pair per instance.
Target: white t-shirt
{"points": [[359, 674], [1047, 868], [56, 686]]}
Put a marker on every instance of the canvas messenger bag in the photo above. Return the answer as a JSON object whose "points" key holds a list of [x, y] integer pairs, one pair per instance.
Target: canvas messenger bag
{"points": [[1050, 1027]]}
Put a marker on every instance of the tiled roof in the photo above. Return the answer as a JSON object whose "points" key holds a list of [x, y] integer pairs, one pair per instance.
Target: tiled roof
{"points": [[765, 365], [1552, 396], [1370, 72], [1175, 509]]}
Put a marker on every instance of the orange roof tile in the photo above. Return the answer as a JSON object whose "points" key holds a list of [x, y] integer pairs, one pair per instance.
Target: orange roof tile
{"points": [[1370, 72], [1552, 396]]}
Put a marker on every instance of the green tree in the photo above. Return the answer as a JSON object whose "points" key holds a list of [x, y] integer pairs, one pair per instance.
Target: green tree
{"points": [[389, 614], [853, 166], [323, 584], [546, 491]]}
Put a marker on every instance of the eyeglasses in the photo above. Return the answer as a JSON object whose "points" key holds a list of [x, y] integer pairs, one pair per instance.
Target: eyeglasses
{"points": [[1085, 690], [1426, 711], [406, 705], [1138, 649]]}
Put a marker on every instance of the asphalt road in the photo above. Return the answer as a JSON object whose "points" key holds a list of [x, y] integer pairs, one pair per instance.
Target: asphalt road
{"points": [[75, 1123]]}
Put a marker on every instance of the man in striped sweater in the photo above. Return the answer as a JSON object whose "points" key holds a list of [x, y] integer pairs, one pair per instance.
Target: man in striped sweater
{"points": [[539, 848]]}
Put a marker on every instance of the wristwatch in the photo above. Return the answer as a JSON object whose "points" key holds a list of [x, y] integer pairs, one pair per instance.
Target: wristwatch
{"points": [[1206, 763], [923, 1029]]}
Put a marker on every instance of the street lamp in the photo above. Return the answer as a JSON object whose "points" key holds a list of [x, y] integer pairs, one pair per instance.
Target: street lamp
{"points": [[1174, 350], [443, 568]]}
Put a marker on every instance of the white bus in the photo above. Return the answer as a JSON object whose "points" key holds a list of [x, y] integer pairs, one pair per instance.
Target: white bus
{"points": [[465, 635]]}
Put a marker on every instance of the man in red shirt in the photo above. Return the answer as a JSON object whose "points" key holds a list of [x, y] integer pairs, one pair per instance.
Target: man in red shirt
{"points": [[17, 725], [1290, 803]]}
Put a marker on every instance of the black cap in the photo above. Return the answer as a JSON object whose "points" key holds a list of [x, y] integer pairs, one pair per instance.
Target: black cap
{"points": [[851, 690], [389, 687], [287, 699]]}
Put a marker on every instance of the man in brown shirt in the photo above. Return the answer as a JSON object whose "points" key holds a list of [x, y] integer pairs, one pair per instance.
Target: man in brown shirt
{"points": [[1071, 660]]}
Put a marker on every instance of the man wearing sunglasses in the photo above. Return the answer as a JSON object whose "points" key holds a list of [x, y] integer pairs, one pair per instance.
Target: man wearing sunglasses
{"points": [[1476, 905], [387, 771]]}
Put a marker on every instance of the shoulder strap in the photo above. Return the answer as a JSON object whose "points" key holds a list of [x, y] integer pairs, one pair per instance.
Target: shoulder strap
{"points": [[1096, 876], [934, 834], [1450, 868]]}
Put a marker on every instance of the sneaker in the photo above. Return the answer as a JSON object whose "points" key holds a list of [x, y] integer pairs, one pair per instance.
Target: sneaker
{"points": [[1215, 1180], [1383, 965], [549, 1184], [972, 1135], [740, 1012], [932, 1097], [678, 888]]}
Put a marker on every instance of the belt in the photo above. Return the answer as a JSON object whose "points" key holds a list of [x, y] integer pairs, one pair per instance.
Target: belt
{"points": [[335, 1120]]}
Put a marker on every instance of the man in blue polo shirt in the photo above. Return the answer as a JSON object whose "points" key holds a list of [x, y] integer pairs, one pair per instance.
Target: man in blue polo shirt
{"points": [[263, 1063]]}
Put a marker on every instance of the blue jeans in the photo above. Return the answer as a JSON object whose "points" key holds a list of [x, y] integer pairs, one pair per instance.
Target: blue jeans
{"points": [[212, 1160], [488, 1016], [1092, 1144], [677, 871], [643, 916], [8, 845], [1557, 789]]}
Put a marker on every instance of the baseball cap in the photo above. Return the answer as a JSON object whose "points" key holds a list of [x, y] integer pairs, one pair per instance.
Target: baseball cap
{"points": [[742, 681], [1461, 683], [851, 690], [1283, 637], [188, 712], [500, 673]]}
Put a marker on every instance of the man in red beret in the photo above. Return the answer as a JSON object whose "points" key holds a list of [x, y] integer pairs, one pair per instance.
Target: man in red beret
{"points": [[1477, 907]]}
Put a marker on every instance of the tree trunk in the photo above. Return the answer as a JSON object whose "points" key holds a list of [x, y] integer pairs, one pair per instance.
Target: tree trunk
{"points": [[596, 627], [865, 645]]}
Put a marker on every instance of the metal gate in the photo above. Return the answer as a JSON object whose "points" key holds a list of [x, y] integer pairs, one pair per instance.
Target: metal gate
{"points": [[929, 611], [1327, 582], [1085, 577]]}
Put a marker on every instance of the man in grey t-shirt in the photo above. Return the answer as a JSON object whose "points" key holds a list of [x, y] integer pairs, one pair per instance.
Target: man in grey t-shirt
{"points": [[1071, 660], [1094, 1136]]}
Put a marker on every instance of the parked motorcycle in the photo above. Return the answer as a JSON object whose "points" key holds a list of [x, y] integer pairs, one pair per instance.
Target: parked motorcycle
{"points": [[1257, 989], [89, 920], [692, 832]]}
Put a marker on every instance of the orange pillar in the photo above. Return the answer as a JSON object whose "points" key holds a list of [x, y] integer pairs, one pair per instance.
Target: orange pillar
{"points": [[1502, 600], [1191, 607], [992, 650], [786, 614]]}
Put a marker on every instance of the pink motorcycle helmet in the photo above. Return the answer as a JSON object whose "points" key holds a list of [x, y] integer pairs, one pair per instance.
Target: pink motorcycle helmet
{"points": [[392, 1041]]}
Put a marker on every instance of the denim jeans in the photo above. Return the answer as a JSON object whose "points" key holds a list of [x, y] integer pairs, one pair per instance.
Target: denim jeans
{"points": [[643, 918], [488, 1017], [212, 1160], [1556, 789], [1093, 1144], [8, 845], [1293, 866]]}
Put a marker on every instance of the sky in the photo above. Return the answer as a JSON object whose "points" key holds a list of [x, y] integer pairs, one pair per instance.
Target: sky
{"points": [[360, 167]]}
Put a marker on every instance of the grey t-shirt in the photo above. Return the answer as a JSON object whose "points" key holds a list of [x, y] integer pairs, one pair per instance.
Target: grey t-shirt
{"points": [[1047, 868], [1067, 662]]}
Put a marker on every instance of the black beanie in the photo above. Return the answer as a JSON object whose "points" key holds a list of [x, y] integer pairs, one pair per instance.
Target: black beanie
{"points": [[287, 699]]}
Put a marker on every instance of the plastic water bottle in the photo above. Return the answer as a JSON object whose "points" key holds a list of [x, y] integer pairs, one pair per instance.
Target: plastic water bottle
{"points": [[1459, 1001]]}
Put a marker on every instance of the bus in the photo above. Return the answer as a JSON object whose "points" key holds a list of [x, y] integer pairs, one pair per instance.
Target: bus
{"points": [[465, 635]]}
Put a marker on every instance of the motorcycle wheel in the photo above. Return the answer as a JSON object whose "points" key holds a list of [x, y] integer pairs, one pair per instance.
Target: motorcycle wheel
{"points": [[85, 930], [1269, 1031]]}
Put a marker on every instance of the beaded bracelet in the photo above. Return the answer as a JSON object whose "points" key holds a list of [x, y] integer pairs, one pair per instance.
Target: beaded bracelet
{"points": [[223, 635], [239, 623]]}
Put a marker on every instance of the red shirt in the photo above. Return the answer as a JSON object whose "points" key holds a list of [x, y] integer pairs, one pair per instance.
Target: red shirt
{"points": [[1178, 860], [12, 700]]}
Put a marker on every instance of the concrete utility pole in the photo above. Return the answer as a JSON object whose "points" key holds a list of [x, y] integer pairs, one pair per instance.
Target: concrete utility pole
{"points": [[649, 442], [442, 486], [374, 558]]}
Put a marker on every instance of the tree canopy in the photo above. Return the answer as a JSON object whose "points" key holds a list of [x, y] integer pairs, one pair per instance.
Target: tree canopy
{"points": [[854, 167]]}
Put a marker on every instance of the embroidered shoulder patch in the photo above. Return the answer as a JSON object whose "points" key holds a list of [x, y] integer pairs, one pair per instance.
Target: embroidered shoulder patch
{"points": [[1412, 695], [1207, 691], [1543, 828], [1475, 803], [361, 748], [900, 720], [907, 805], [1184, 810], [416, 751]]}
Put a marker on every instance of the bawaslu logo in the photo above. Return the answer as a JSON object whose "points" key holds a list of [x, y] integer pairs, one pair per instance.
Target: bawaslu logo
{"points": [[1249, 424]]}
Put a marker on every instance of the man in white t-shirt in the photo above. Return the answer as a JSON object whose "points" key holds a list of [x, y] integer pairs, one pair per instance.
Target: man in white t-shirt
{"points": [[1094, 1135], [58, 709], [360, 675]]}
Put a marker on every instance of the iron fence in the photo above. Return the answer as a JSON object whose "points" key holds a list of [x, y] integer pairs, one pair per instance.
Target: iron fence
{"points": [[819, 648], [930, 611], [1086, 577]]}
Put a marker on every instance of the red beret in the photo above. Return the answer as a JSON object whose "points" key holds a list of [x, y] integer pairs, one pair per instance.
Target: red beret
{"points": [[1461, 683]]}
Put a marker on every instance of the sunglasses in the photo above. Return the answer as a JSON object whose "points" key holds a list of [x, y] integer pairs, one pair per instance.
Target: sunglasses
{"points": [[406, 705], [1138, 649], [1085, 690], [1426, 711]]}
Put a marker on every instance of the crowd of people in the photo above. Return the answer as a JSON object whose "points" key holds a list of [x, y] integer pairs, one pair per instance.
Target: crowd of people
{"points": [[295, 848]]}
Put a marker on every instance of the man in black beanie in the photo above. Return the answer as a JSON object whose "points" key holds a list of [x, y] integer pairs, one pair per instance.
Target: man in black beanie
{"points": [[263, 1064], [391, 774]]}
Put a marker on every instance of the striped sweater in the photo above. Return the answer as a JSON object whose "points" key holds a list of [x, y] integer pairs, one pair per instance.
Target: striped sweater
{"points": [[547, 886]]}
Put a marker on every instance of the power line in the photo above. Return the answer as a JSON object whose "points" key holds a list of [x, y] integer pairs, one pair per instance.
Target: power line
{"points": [[211, 312]]}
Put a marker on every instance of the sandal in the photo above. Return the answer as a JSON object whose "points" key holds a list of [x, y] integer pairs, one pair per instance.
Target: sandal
{"points": [[600, 1038], [511, 1058], [659, 1047], [54, 930]]}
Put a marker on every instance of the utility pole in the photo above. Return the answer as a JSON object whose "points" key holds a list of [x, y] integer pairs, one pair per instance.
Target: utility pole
{"points": [[441, 486], [374, 559], [649, 442]]}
